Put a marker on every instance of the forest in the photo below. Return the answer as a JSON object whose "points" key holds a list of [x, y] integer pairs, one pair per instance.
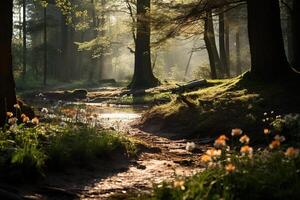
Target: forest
{"points": [[149, 99]]}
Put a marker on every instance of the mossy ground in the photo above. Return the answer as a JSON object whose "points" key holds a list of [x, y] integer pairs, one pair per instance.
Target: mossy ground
{"points": [[227, 104]]}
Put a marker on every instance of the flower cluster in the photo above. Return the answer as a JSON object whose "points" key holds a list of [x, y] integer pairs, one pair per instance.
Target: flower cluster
{"points": [[221, 153]]}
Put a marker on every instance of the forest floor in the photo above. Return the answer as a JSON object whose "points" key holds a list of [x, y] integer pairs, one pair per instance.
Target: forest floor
{"points": [[164, 159], [160, 118]]}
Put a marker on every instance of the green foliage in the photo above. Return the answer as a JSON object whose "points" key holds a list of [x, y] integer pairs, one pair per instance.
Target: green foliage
{"points": [[268, 175], [80, 145], [27, 152]]}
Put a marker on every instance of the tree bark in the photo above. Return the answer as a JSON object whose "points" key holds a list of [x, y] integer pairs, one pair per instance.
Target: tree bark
{"points": [[223, 57], [295, 19], [45, 47], [238, 53], [7, 84], [209, 39], [143, 75], [268, 57], [24, 40], [227, 45]]}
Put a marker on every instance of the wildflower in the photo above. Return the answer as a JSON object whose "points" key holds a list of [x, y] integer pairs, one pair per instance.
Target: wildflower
{"points": [[213, 152], [206, 158], [25, 119], [17, 106], [246, 150], [245, 139], [179, 184], [274, 144], [222, 137], [291, 152], [265, 114], [35, 121], [236, 132], [12, 121], [44, 110], [279, 138], [190, 146], [267, 131], [219, 143], [23, 115], [230, 168], [9, 114]]}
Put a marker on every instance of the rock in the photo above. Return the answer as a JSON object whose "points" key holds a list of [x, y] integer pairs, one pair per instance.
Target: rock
{"points": [[79, 94]]}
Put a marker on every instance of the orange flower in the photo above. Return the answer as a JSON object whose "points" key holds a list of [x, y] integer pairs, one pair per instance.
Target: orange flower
{"points": [[206, 158], [179, 184], [236, 132], [219, 143], [245, 139], [23, 116], [246, 150], [222, 137], [9, 114], [291, 152], [35, 121], [213, 152], [12, 120], [274, 144], [25, 119], [230, 168], [267, 131]]}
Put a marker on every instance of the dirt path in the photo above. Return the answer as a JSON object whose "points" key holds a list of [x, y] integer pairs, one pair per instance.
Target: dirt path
{"points": [[167, 160]]}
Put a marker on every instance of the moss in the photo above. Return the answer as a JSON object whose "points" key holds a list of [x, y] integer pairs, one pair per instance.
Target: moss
{"points": [[226, 104]]}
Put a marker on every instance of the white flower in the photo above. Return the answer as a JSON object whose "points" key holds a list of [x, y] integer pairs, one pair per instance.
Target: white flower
{"points": [[44, 110], [190, 146]]}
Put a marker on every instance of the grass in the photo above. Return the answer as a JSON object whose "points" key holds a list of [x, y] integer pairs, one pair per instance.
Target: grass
{"points": [[235, 170], [265, 176], [243, 102], [28, 152]]}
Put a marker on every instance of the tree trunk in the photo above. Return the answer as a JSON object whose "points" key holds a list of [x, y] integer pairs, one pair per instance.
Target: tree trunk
{"points": [[227, 44], [238, 53], [64, 50], [143, 76], [268, 57], [296, 34], [7, 84], [209, 39], [223, 57], [24, 40], [45, 47]]}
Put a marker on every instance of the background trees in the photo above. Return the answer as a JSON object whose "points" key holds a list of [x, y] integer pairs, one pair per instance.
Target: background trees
{"points": [[7, 84]]}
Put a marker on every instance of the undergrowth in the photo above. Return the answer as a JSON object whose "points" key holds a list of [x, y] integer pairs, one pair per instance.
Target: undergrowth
{"points": [[30, 149]]}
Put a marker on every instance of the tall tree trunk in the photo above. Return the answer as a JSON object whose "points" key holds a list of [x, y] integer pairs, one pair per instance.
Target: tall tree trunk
{"points": [[45, 47], [143, 75], [296, 34], [266, 42], [209, 39], [238, 53], [94, 61], [64, 50], [227, 44], [24, 40], [223, 57], [7, 84]]}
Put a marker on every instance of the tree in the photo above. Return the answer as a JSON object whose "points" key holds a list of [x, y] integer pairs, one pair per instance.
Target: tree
{"points": [[209, 39], [223, 53], [295, 18], [24, 39], [143, 76], [266, 42], [45, 46], [7, 84]]}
